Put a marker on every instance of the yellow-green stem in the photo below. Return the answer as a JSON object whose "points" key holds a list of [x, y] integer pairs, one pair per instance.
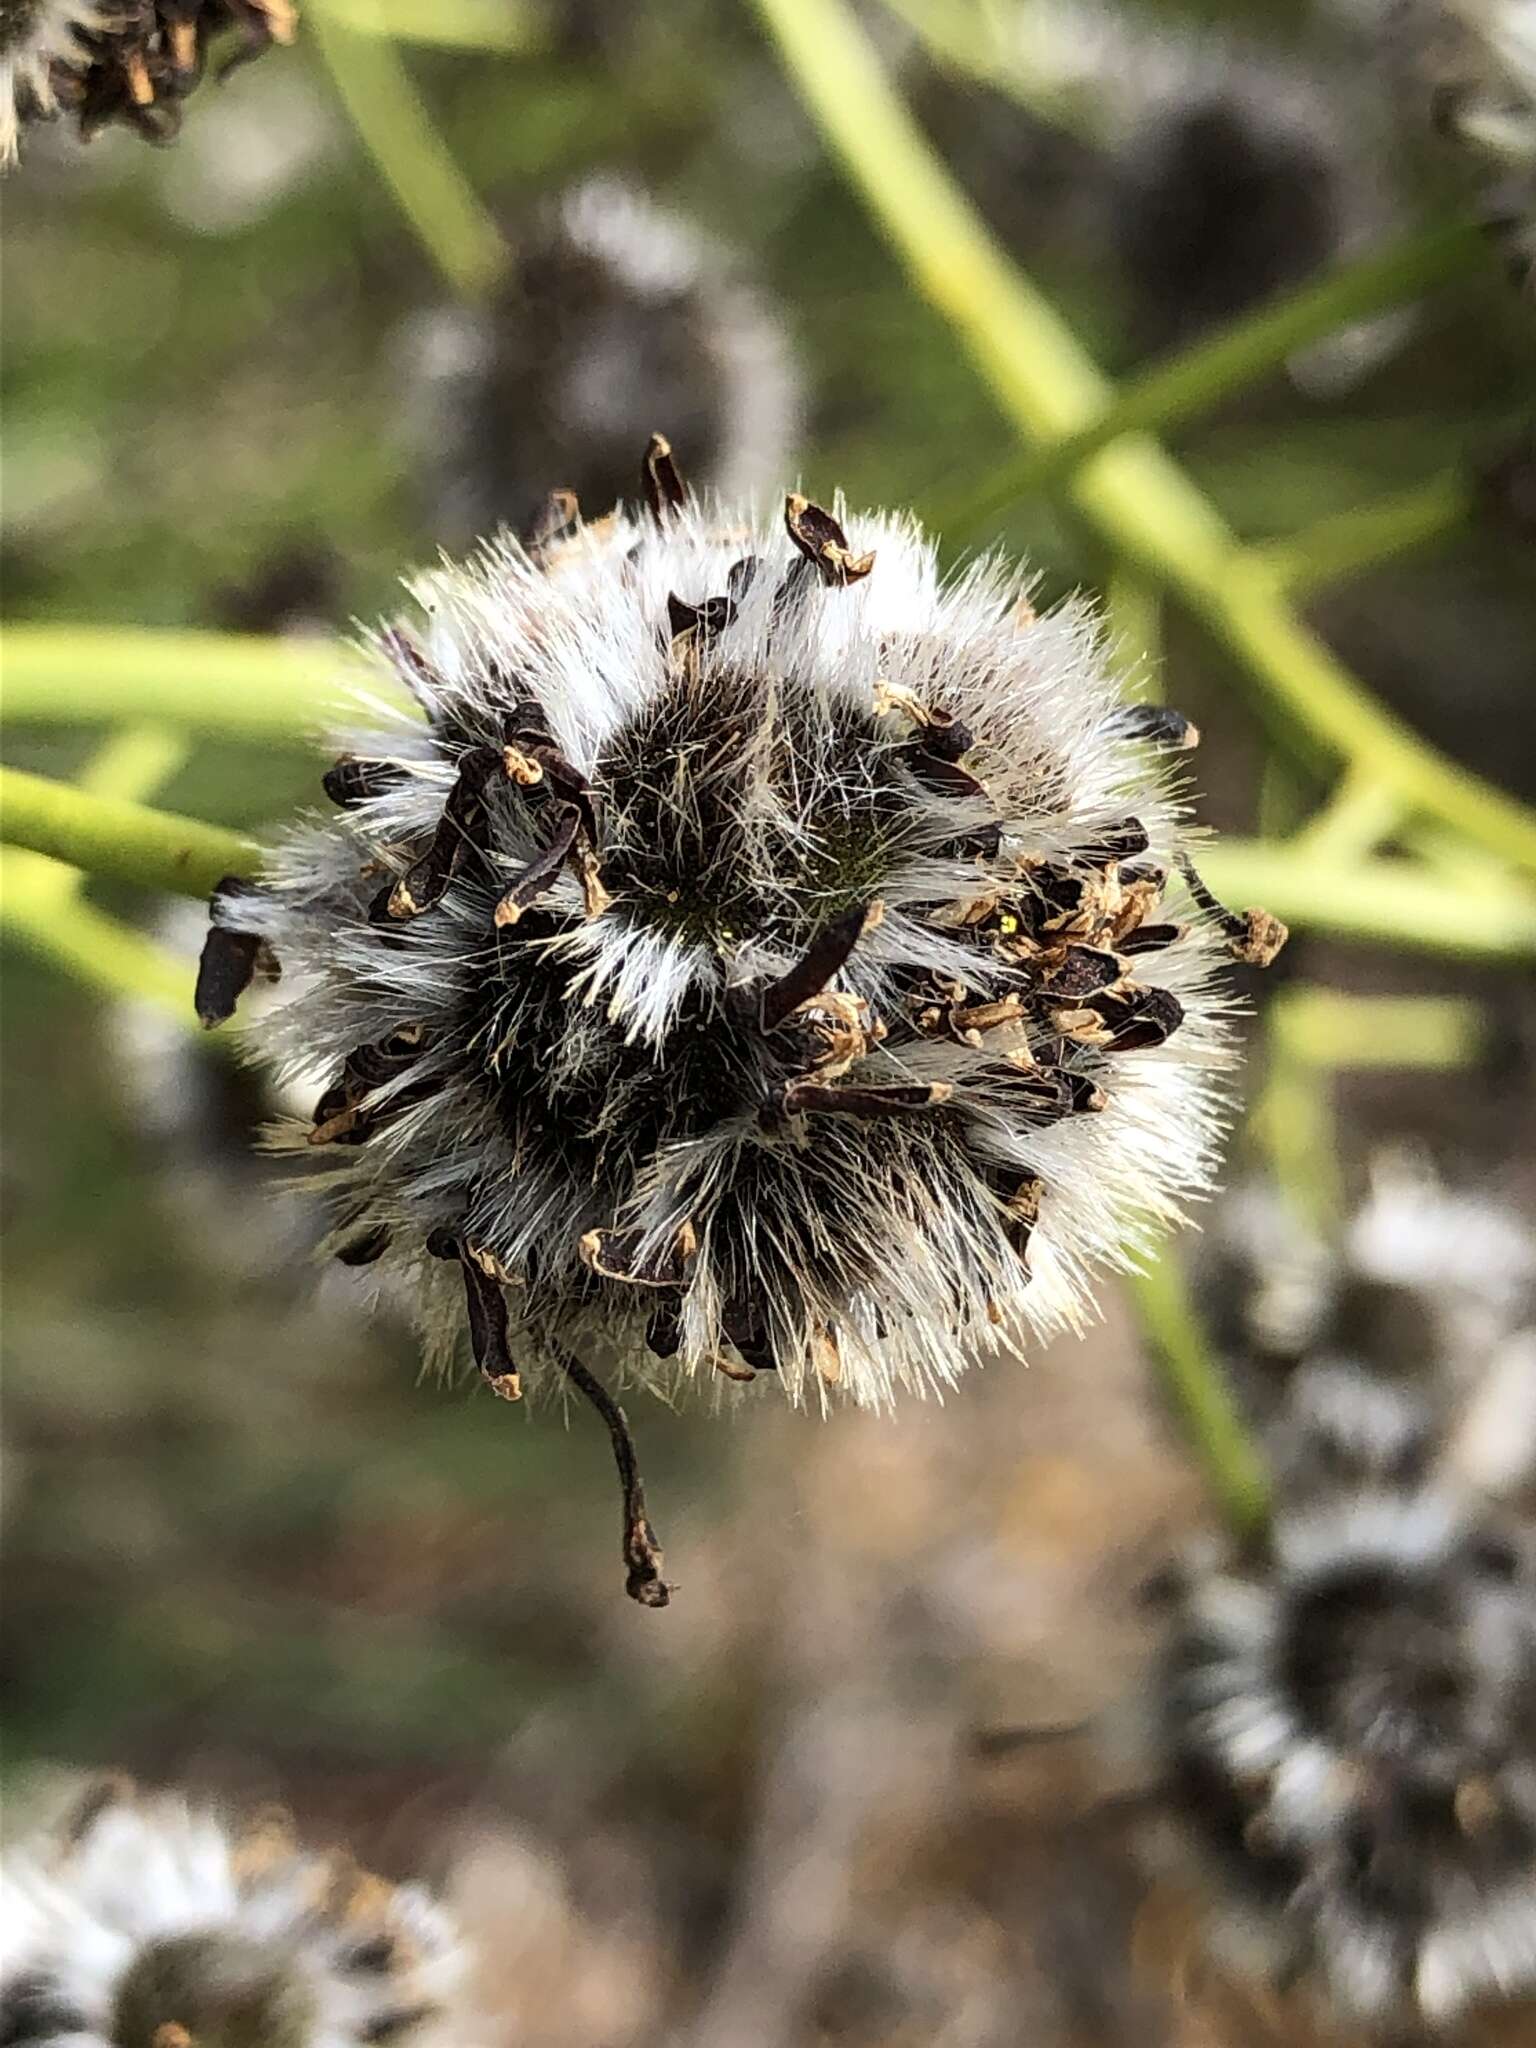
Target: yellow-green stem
{"points": [[36, 911], [1199, 1394], [229, 685], [1379, 902], [394, 127], [123, 841], [1360, 539], [1140, 501], [1199, 377]]}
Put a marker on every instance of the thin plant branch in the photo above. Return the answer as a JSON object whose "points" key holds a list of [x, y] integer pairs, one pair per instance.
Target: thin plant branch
{"points": [[40, 910], [1358, 817], [1199, 377], [1368, 535], [1198, 1392], [448, 218], [1379, 902], [224, 685], [1136, 497], [479, 25], [126, 842]]}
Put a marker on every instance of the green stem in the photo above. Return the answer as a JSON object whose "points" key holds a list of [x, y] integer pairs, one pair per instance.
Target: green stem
{"points": [[1199, 377], [1139, 500], [1382, 902], [394, 127], [233, 685], [446, 24], [124, 841], [1331, 1029], [37, 911], [1350, 541], [1358, 817], [1198, 1391], [134, 763]]}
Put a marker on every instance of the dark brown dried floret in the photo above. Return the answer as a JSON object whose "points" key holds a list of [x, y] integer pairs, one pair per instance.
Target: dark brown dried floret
{"points": [[540, 873], [462, 825], [900, 1098], [827, 953], [615, 1255], [823, 542], [661, 481], [229, 959], [148, 55], [353, 780], [1157, 724], [1252, 936]]}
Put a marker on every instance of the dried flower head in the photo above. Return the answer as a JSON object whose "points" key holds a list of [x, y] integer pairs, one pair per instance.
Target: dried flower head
{"points": [[767, 957], [148, 1924], [120, 60], [1351, 1726], [613, 310]]}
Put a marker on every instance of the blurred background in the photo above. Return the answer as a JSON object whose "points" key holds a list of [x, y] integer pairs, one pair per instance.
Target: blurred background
{"points": [[246, 1547]]}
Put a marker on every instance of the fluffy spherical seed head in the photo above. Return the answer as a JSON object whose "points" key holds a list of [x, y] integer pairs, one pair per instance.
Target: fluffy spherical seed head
{"points": [[757, 961], [1354, 1736], [614, 311], [106, 62], [147, 1924]]}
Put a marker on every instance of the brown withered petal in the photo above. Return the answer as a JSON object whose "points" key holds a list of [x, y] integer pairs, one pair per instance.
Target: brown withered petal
{"points": [[827, 953], [1157, 724], [661, 481], [540, 872], [614, 1255], [823, 542], [227, 964], [901, 1098]]}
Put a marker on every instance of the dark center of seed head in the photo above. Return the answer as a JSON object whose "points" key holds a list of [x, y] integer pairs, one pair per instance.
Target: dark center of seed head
{"points": [[220, 1990]]}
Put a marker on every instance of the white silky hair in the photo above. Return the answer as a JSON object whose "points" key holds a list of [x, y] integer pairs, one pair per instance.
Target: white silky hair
{"points": [[46, 33], [79, 1908], [579, 624]]}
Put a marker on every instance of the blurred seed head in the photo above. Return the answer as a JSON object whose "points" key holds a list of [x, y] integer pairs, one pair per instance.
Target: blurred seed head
{"points": [[1351, 1735], [1423, 1306], [766, 956], [1241, 174], [1350, 1720], [133, 61], [614, 311], [146, 1923]]}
